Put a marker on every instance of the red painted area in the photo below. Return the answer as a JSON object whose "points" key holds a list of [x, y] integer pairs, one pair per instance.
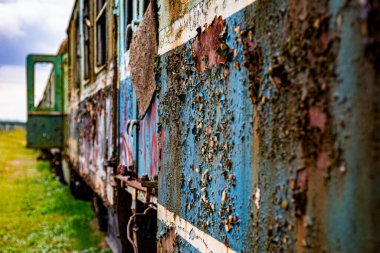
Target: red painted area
{"points": [[167, 242], [317, 118], [302, 178], [323, 160], [206, 45], [126, 154], [149, 139]]}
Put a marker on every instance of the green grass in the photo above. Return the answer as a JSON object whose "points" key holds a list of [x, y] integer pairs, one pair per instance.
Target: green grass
{"points": [[37, 213]]}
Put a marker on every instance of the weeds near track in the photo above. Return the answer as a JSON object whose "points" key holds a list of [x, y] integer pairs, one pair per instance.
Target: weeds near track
{"points": [[37, 213]]}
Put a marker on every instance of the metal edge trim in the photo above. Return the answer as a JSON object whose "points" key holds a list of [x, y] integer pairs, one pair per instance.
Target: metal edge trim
{"points": [[193, 235]]}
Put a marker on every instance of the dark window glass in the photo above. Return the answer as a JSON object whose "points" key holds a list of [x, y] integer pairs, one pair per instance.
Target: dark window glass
{"points": [[101, 40], [86, 38], [99, 5], [131, 6], [145, 6], [128, 14], [128, 11], [77, 54], [101, 34]]}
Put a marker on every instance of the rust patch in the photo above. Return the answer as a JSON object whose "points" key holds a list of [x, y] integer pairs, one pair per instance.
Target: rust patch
{"points": [[309, 54], [299, 195], [176, 9], [253, 62], [167, 242], [169, 118], [142, 56], [323, 160], [209, 46], [317, 118]]}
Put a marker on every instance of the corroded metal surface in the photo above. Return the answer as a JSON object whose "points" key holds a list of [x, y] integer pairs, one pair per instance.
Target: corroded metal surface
{"points": [[264, 151], [92, 106], [208, 50], [262, 132]]}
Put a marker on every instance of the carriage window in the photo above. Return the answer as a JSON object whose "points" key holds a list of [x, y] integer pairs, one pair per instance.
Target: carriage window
{"points": [[86, 38], [128, 17], [44, 85], [133, 13], [144, 6], [77, 53], [141, 6], [128, 11], [101, 29]]}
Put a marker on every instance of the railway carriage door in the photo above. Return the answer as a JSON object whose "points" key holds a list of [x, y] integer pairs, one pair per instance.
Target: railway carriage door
{"points": [[129, 137], [137, 140], [45, 125], [146, 106]]}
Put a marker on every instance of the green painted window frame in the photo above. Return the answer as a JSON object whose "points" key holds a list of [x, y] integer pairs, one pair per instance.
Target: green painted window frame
{"points": [[58, 89]]}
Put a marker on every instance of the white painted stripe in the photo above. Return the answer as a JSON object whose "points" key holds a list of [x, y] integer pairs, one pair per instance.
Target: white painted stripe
{"points": [[92, 88], [185, 28], [197, 238]]}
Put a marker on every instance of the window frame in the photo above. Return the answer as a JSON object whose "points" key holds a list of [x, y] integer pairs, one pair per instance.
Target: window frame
{"points": [[75, 51], [87, 26], [132, 18], [97, 17]]}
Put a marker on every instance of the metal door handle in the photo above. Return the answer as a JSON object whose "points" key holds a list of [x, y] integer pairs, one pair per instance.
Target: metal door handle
{"points": [[130, 125]]}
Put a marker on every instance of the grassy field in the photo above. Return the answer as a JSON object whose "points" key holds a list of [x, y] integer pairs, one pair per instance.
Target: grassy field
{"points": [[37, 213]]}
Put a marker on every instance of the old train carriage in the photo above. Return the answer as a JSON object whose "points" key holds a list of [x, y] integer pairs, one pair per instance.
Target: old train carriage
{"points": [[221, 125], [47, 118]]}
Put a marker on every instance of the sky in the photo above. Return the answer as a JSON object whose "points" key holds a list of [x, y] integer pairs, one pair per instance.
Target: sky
{"points": [[27, 27]]}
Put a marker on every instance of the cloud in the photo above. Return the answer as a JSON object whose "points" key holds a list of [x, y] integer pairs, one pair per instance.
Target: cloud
{"points": [[13, 93], [13, 103], [12, 75], [13, 90], [27, 26], [18, 16], [31, 26]]}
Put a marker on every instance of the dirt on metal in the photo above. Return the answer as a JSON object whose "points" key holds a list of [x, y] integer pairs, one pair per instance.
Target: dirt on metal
{"points": [[143, 54]]}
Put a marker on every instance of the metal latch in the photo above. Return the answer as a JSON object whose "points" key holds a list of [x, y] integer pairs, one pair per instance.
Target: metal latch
{"points": [[130, 124]]}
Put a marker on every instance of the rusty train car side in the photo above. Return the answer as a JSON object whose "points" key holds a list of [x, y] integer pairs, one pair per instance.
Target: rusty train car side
{"points": [[225, 125]]}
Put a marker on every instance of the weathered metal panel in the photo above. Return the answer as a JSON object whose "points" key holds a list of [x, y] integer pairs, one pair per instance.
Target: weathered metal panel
{"points": [[149, 142], [93, 141], [127, 106], [206, 177], [127, 112], [138, 134], [265, 148], [73, 93], [93, 113], [65, 84], [45, 131], [73, 134], [263, 130], [45, 121]]}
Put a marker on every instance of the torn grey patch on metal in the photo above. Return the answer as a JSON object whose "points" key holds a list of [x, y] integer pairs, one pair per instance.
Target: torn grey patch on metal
{"points": [[142, 57]]}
